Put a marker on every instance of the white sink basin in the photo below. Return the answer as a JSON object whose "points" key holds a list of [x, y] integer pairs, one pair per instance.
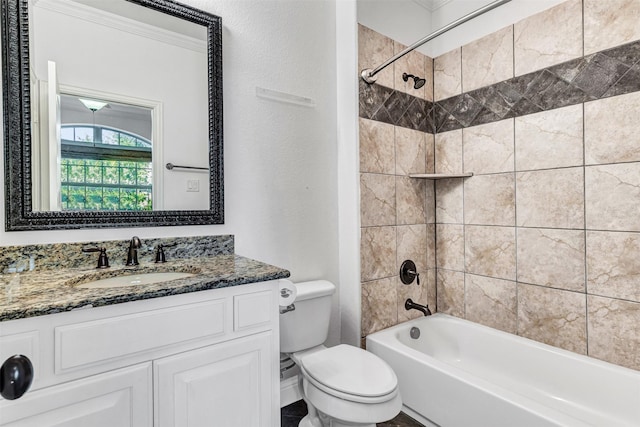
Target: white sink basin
{"points": [[134, 280]]}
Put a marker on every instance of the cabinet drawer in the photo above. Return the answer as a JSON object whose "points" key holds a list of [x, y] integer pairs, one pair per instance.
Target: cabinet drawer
{"points": [[102, 340], [251, 310]]}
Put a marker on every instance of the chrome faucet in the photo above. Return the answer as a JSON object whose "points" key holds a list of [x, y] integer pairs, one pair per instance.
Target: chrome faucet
{"points": [[132, 254]]}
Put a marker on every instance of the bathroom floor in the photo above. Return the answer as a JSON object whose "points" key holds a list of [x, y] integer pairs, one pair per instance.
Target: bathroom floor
{"points": [[291, 415]]}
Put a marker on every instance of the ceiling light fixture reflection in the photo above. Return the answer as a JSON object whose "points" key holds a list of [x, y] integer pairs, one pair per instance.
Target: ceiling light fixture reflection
{"points": [[92, 104]]}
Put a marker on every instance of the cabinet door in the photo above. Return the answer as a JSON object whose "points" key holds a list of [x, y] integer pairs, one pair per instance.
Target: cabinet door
{"points": [[119, 398], [226, 385]]}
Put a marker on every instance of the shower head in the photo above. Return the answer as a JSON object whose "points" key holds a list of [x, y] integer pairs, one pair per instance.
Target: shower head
{"points": [[417, 81]]}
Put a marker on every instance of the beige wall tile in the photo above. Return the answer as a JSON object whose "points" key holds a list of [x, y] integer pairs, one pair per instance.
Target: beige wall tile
{"points": [[431, 246], [450, 246], [412, 63], [430, 189], [614, 335], [449, 201], [487, 60], [490, 200], [550, 139], [491, 302], [554, 258], [613, 197], [553, 316], [411, 151], [377, 199], [488, 148], [611, 129], [431, 290], [490, 251], [373, 50], [412, 244], [411, 200], [450, 293], [428, 72], [548, 38], [379, 305], [448, 152], [610, 23], [430, 153], [447, 75], [550, 198], [377, 253], [613, 264], [377, 150]]}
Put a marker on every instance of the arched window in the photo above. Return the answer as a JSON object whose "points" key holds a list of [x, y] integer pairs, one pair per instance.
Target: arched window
{"points": [[103, 168]]}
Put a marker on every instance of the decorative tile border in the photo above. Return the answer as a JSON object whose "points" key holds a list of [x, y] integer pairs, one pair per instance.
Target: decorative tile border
{"points": [[604, 74], [387, 105]]}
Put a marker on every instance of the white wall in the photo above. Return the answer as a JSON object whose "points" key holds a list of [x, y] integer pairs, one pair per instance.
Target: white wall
{"points": [[348, 171], [280, 159], [407, 22], [402, 20], [505, 15]]}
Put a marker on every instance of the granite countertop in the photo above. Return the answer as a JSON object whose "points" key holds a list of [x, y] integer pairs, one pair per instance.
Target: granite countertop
{"points": [[37, 293]]}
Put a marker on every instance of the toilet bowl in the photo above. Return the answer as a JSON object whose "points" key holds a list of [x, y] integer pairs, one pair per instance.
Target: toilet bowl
{"points": [[342, 385]]}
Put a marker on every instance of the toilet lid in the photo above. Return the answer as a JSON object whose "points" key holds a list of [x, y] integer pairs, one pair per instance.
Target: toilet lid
{"points": [[350, 370]]}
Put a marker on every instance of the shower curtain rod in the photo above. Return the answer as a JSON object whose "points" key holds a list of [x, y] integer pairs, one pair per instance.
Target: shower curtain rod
{"points": [[368, 74]]}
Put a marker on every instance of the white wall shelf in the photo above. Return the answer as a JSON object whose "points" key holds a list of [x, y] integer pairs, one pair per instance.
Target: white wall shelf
{"points": [[440, 175]]}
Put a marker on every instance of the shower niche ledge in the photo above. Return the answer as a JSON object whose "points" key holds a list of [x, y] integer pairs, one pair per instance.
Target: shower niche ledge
{"points": [[440, 175]]}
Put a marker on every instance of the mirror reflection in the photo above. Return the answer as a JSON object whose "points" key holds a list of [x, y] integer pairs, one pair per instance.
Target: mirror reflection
{"points": [[118, 91], [106, 156]]}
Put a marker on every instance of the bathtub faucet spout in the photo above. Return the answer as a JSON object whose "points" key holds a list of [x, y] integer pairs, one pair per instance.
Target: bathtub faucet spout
{"points": [[408, 305]]}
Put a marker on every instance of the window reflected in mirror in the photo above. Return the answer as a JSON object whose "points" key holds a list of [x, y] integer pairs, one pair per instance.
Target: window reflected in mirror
{"points": [[104, 150]]}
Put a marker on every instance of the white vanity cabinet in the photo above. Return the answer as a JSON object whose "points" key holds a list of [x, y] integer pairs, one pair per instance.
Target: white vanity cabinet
{"points": [[120, 398], [208, 358], [222, 385]]}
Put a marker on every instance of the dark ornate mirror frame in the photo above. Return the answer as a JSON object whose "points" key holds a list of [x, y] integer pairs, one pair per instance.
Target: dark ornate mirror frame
{"points": [[17, 132]]}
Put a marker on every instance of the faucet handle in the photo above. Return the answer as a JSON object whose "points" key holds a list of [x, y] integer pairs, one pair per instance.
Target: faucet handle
{"points": [[103, 260], [409, 272], [160, 256]]}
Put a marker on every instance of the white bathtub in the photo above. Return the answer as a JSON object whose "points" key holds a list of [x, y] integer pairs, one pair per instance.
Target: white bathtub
{"points": [[461, 374]]}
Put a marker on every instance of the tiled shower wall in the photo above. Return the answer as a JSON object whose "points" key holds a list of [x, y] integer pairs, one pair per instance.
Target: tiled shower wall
{"points": [[397, 212], [544, 240]]}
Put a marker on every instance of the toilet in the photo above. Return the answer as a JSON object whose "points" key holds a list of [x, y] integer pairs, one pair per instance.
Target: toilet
{"points": [[342, 385]]}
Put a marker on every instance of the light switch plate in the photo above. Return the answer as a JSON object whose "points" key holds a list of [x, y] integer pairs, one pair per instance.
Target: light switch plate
{"points": [[193, 185]]}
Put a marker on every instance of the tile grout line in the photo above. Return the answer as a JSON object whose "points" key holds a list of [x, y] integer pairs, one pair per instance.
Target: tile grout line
{"points": [[515, 196], [464, 228], [584, 177]]}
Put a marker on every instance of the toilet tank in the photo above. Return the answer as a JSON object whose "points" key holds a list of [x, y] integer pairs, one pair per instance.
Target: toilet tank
{"points": [[308, 325]]}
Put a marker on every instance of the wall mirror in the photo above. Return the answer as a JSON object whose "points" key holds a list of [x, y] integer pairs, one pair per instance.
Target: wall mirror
{"points": [[112, 114]]}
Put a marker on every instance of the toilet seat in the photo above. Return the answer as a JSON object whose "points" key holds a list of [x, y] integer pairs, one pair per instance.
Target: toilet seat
{"points": [[350, 373]]}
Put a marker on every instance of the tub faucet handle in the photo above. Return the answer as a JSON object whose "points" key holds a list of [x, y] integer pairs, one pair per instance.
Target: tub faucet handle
{"points": [[409, 272], [417, 276]]}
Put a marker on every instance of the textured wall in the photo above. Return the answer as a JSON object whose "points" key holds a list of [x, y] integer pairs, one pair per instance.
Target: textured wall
{"points": [[280, 159], [397, 212], [544, 240]]}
